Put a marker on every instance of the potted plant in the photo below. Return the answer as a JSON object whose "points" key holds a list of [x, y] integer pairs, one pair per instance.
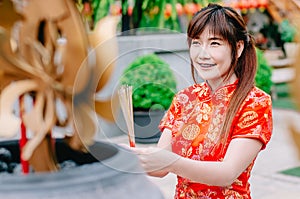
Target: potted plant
{"points": [[288, 34], [263, 78], [154, 86]]}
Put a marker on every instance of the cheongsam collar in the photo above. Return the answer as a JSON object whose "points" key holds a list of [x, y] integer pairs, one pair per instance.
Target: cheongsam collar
{"points": [[226, 89]]}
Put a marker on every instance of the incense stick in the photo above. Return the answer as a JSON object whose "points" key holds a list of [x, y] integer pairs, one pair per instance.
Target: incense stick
{"points": [[125, 98]]}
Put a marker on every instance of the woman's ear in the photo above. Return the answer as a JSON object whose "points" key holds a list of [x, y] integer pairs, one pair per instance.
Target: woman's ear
{"points": [[240, 48]]}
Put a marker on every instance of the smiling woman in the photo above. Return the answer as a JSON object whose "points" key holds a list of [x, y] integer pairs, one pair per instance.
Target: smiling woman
{"points": [[211, 57], [214, 130]]}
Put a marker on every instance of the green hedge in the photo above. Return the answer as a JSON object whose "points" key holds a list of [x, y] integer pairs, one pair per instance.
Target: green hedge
{"points": [[153, 81]]}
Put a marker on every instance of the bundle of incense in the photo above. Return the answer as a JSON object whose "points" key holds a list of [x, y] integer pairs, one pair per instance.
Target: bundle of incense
{"points": [[125, 98]]}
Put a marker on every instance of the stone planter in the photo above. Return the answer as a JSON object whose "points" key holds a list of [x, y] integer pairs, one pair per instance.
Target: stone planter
{"points": [[146, 126], [105, 173], [291, 49]]}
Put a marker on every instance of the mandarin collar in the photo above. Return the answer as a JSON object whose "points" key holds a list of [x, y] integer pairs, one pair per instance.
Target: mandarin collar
{"points": [[226, 88]]}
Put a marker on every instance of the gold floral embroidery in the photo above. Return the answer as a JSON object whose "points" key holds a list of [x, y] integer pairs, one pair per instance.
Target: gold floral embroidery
{"points": [[190, 132], [214, 127], [200, 148], [189, 152], [206, 112], [222, 94], [183, 99], [238, 182], [248, 118], [231, 194], [183, 152], [206, 109], [199, 118]]}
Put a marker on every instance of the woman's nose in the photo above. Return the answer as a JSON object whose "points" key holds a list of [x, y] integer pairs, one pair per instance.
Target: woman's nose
{"points": [[203, 53]]}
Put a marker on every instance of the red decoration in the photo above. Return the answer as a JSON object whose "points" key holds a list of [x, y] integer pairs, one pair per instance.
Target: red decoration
{"points": [[234, 4], [245, 5], [23, 139], [168, 10], [190, 8], [263, 3], [131, 143], [253, 4], [198, 7], [87, 9], [115, 9], [179, 9], [130, 10]]}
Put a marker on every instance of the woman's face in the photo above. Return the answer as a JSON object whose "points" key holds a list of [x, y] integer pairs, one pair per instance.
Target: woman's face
{"points": [[211, 57]]}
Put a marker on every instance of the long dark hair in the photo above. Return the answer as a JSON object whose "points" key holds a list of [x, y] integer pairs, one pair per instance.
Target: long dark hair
{"points": [[227, 23]]}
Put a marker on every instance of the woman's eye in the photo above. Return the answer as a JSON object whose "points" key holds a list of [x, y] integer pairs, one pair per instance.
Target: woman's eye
{"points": [[195, 42], [214, 43]]}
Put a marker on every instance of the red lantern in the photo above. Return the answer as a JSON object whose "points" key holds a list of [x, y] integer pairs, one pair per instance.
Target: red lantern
{"points": [[245, 4], [253, 4], [235, 4], [263, 3], [179, 9], [239, 5], [168, 10], [115, 9], [198, 7], [190, 8], [130, 10], [87, 10]]}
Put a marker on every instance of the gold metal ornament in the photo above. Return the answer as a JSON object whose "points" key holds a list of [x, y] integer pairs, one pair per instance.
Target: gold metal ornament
{"points": [[47, 53]]}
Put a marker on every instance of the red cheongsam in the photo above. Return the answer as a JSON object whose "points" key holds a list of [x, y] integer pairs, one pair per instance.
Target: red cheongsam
{"points": [[195, 117]]}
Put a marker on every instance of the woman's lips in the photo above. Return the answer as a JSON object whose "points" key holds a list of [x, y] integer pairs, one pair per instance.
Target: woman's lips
{"points": [[206, 65]]}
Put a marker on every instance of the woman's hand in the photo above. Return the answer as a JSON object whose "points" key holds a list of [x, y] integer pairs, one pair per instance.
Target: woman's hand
{"points": [[156, 161]]}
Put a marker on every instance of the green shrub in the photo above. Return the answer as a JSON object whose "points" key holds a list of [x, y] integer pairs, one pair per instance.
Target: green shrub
{"points": [[263, 78], [287, 31], [153, 81]]}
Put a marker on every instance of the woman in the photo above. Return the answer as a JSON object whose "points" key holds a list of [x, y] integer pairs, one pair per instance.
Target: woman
{"points": [[214, 130]]}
